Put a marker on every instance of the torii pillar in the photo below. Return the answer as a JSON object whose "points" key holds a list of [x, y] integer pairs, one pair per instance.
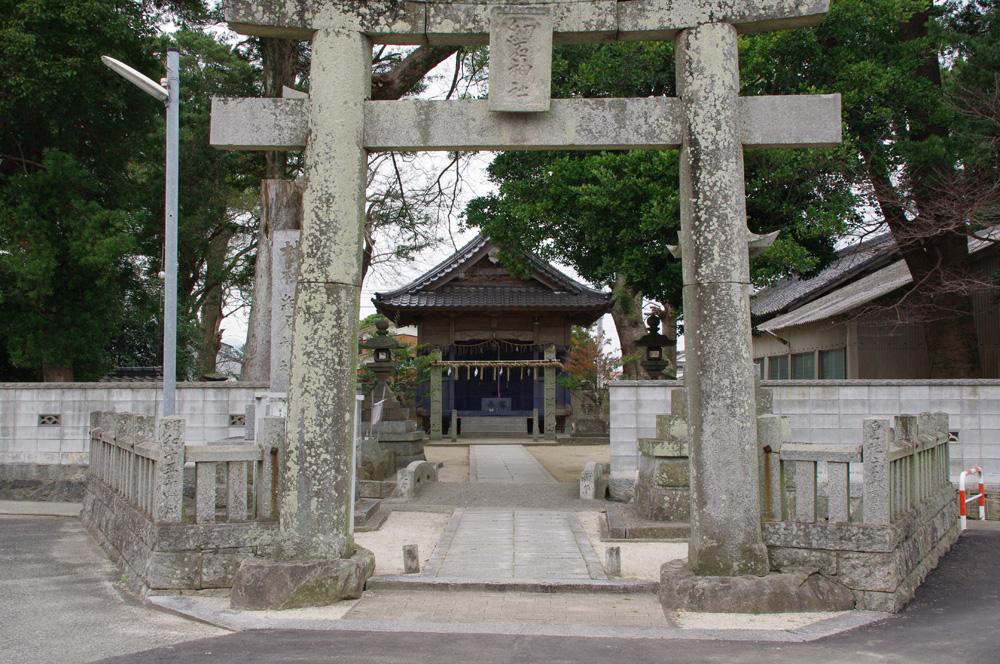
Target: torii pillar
{"points": [[337, 125], [726, 536]]}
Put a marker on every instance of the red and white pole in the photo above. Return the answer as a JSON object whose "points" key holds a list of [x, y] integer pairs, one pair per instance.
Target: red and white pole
{"points": [[982, 497], [963, 501]]}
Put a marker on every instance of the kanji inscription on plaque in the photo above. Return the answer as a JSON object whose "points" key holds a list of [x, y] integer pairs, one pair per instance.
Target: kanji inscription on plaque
{"points": [[520, 59]]}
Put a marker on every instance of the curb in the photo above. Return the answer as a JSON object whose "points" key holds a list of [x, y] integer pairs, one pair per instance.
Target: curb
{"points": [[243, 621]]}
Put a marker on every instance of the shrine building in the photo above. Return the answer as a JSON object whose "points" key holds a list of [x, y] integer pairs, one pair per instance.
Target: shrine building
{"points": [[500, 340]]}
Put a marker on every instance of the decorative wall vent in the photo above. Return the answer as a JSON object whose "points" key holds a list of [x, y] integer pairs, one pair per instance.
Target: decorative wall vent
{"points": [[49, 420], [237, 420]]}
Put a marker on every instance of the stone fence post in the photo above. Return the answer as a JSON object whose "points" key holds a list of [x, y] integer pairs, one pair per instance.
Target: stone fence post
{"points": [[270, 437], [876, 440], [772, 432], [169, 494]]}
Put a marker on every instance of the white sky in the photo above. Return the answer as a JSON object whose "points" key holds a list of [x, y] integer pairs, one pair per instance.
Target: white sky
{"points": [[389, 277]]}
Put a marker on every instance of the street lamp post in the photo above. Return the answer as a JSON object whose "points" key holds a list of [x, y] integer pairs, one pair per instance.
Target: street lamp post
{"points": [[170, 96]]}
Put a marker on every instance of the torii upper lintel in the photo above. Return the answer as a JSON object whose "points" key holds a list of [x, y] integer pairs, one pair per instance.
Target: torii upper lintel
{"points": [[468, 22]]}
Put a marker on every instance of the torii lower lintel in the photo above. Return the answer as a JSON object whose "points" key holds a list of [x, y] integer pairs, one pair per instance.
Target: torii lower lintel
{"points": [[411, 125]]}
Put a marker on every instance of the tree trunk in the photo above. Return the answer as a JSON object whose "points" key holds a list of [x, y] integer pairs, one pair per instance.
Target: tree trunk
{"points": [[281, 199], [57, 373], [952, 342], [627, 315], [278, 59], [281, 209], [210, 320], [934, 243]]}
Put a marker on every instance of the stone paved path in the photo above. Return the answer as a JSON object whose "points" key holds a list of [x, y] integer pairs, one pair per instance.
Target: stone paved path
{"points": [[505, 463], [514, 544]]}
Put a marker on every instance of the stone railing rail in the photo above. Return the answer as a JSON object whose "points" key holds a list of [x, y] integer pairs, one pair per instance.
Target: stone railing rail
{"points": [[124, 455], [918, 460], [806, 458], [902, 466], [148, 470]]}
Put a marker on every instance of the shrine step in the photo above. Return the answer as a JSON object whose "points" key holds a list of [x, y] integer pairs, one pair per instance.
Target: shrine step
{"points": [[418, 582], [368, 514], [625, 523]]}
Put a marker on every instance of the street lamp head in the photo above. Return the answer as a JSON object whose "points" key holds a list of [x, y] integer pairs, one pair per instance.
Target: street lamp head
{"points": [[141, 81]]}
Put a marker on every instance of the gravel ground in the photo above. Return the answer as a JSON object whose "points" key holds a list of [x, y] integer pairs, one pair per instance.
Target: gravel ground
{"points": [[565, 462], [640, 560], [421, 528], [455, 460]]}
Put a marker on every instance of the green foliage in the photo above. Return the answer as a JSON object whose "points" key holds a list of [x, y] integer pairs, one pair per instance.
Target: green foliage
{"points": [[612, 214], [218, 190], [81, 178], [65, 268], [69, 223], [411, 370]]}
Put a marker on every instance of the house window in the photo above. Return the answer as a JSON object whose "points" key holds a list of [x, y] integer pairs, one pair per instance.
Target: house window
{"points": [[777, 367], [833, 364], [804, 366]]}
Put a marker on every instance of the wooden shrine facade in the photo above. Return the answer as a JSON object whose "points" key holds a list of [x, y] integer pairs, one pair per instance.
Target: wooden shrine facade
{"points": [[500, 340]]}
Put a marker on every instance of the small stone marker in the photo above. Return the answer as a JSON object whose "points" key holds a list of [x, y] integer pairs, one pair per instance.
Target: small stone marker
{"points": [[613, 561], [411, 559], [520, 59]]}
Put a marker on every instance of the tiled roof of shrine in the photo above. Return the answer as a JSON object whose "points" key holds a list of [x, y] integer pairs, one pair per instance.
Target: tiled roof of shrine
{"points": [[452, 285]]}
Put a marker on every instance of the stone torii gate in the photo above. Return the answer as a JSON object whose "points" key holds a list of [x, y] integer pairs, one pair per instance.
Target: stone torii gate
{"points": [[338, 126]]}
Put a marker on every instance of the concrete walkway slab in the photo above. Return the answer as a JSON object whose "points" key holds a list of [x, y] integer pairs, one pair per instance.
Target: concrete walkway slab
{"points": [[505, 463], [514, 544]]}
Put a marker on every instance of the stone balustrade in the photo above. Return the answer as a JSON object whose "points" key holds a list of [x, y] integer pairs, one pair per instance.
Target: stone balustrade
{"points": [[148, 470], [124, 455], [880, 543], [137, 507]]}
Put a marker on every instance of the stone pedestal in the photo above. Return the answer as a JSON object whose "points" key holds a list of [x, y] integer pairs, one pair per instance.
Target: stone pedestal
{"points": [[662, 489], [795, 591], [397, 434], [293, 584], [402, 438]]}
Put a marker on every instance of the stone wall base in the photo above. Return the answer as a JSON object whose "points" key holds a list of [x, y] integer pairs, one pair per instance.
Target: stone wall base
{"points": [[161, 557], [882, 565], [44, 482]]}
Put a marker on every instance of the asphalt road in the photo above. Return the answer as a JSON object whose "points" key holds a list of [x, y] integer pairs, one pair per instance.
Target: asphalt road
{"points": [[955, 617], [58, 602]]}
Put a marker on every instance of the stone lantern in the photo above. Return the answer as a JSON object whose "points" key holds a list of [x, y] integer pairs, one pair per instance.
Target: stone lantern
{"points": [[381, 345], [653, 361]]}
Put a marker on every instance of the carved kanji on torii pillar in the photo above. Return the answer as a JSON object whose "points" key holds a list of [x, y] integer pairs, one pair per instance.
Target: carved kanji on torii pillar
{"points": [[338, 125]]}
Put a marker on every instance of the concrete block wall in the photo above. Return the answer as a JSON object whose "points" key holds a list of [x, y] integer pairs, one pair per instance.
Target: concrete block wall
{"points": [[830, 412], [634, 407], [206, 408]]}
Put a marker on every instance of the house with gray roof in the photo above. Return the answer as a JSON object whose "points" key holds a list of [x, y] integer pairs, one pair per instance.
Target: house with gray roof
{"points": [[842, 322]]}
